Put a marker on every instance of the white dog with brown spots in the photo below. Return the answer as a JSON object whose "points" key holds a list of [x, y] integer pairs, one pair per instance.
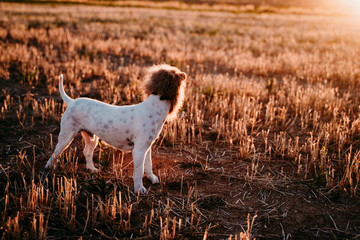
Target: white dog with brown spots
{"points": [[133, 127]]}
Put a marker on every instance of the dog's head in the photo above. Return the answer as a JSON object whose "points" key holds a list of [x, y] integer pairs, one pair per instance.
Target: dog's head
{"points": [[168, 82]]}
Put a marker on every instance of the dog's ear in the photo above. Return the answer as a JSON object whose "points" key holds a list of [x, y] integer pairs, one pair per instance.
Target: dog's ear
{"points": [[182, 76]]}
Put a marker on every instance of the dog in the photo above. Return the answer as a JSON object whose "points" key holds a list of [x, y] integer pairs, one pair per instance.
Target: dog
{"points": [[131, 127]]}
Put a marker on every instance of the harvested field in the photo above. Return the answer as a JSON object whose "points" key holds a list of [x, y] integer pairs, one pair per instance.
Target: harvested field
{"points": [[266, 146]]}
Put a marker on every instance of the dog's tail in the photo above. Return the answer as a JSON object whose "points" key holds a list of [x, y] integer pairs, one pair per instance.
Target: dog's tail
{"points": [[64, 96]]}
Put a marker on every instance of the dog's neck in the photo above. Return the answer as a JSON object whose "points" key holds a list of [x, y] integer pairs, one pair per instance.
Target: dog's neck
{"points": [[159, 107]]}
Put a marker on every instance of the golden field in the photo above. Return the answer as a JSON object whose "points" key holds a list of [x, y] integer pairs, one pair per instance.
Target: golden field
{"points": [[266, 145]]}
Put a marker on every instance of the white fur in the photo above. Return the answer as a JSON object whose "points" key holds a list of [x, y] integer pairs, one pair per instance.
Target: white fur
{"points": [[132, 127]]}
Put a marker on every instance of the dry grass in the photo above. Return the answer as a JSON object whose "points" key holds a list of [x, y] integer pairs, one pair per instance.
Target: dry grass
{"points": [[270, 124]]}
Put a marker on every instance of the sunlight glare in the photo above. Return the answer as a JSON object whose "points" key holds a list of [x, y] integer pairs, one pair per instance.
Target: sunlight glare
{"points": [[353, 6]]}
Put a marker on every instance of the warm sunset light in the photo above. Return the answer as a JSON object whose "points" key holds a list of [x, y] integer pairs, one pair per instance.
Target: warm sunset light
{"points": [[350, 6], [229, 119]]}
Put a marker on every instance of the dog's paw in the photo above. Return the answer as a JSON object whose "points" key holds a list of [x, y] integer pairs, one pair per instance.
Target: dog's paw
{"points": [[92, 169], [154, 179], [141, 189]]}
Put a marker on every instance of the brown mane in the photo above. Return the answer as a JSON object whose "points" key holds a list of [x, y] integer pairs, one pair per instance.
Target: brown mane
{"points": [[168, 82]]}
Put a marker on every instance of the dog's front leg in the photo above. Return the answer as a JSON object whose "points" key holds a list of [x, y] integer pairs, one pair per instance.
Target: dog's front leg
{"points": [[148, 168], [139, 159]]}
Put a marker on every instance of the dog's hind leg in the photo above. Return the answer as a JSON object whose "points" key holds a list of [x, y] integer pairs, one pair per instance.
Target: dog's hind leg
{"points": [[66, 136], [148, 168], [90, 145]]}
